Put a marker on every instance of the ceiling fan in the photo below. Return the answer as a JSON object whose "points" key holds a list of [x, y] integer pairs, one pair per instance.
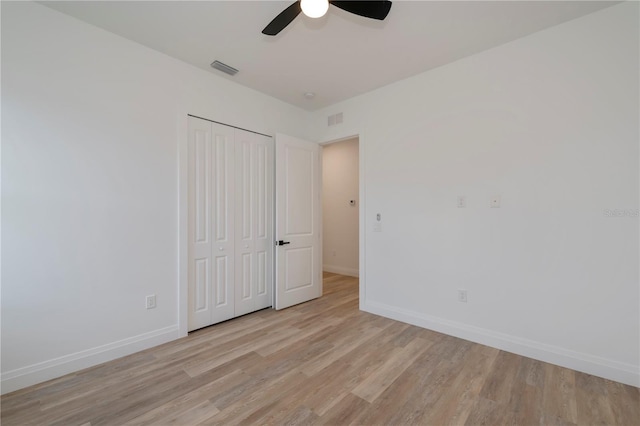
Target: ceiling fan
{"points": [[375, 9]]}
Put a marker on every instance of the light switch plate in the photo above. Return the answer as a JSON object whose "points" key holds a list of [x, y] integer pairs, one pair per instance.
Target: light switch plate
{"points": [[495, 202]]}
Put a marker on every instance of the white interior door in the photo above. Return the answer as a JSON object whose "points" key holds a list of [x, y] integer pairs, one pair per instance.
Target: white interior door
{"points": [[211, 223], [254, 222], [298, 221]]}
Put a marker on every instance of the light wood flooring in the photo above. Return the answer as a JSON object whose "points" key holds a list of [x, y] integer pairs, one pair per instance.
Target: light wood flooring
{"points": [[323, 362]]}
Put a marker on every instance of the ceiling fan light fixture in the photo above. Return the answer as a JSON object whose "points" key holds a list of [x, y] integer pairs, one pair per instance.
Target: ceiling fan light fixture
{"points": [[314, 8], [374, 9]]}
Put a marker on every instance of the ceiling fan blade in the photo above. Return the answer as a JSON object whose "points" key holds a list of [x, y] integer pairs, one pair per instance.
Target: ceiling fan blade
{"points": [[282, 20], [376, 9]]}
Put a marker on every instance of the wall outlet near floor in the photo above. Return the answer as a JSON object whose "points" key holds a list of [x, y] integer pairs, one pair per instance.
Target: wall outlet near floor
{"points": [[151, 301], [462, 296]]}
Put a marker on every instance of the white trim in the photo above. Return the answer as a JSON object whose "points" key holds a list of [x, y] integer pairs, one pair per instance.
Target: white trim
{"points": [[320, 220], [47, 370], [351, 272], [362, 229], [183, 208], [601, 367]]}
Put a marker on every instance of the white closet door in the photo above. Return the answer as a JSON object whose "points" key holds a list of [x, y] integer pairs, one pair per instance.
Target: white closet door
{"points": [[199, 223], [254, 222], [211, 223], [223, 185]]}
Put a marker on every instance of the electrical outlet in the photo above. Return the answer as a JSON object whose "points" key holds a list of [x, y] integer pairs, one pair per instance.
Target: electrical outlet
{"points": [[151, 301], [462, 201], [462, 296]]}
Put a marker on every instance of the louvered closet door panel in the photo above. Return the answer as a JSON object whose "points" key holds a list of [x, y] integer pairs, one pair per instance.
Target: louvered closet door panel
{"points": [[199, 223], [222, 229], [254, 221]]}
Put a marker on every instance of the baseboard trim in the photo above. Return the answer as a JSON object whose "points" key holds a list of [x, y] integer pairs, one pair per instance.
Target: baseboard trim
{"points": [[341, 270], [601, 367], [51, 369]]}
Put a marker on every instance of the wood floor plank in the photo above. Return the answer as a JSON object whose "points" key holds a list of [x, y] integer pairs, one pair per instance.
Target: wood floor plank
{"points": [[321, 394], [487, 412], [526, 393], [259, 394], [624, 402], [228, 329], [129, 405], [498, 386], [379, 380], [339, 349], [195, 415], [279, 410], [446, 383], [278, 345], [412, 393], [297, 353], [177, 406], [458, 397], [347, 373], [592, 401], [252, 345], [346, 411], [322, 362], [83, 382], [559, 396], [299, 416]]}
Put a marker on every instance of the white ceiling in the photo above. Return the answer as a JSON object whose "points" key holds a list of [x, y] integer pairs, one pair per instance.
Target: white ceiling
{"points": [[338, 56]]}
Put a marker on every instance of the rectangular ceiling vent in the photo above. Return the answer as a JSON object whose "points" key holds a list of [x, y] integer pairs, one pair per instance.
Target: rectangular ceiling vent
{"points": [[224, 68]]}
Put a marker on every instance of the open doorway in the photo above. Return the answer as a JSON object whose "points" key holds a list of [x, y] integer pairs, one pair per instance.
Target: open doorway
{"points": [[340, 214]]}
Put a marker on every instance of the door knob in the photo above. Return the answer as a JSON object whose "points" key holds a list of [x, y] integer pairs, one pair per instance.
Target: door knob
{"points": [[281, 243]]}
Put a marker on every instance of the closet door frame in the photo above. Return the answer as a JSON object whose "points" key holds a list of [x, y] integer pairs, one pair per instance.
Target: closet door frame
{"points": [[262, 246]]}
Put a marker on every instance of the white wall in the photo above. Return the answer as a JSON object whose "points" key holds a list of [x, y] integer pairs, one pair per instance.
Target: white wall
{"points": [[550, 123], [92, 125], [339, 218]]}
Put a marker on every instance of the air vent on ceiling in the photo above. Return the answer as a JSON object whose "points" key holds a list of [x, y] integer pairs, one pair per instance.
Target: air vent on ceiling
{"points": [[224, 68]]}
